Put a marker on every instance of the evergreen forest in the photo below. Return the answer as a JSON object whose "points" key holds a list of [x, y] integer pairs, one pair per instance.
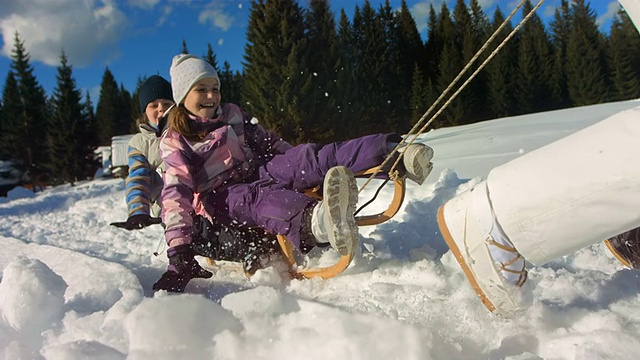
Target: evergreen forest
{"points": [[316, 76]]}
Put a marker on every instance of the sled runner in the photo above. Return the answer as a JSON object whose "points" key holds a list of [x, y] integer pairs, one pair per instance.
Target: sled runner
{"points": [[287, 249], [328, 272]]}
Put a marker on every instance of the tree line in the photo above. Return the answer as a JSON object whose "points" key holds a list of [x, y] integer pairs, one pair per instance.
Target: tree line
{"points": [[314, 77]]}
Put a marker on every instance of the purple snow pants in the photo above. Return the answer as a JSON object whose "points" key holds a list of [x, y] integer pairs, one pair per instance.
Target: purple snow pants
{"points": [[275, 201]]}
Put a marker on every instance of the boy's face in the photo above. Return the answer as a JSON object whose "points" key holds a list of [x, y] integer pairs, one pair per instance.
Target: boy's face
{"points": [[156, 109], [203, 98]]}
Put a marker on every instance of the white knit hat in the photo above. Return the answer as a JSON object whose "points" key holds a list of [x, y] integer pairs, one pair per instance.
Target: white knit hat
{"points": [[186, 70]]}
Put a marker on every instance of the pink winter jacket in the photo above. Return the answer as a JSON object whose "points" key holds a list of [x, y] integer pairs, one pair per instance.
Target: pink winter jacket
{"points": [[233, 148]]}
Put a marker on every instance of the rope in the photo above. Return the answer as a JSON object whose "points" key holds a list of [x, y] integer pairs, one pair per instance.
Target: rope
{"points": [[451, 85], [161, 244]]}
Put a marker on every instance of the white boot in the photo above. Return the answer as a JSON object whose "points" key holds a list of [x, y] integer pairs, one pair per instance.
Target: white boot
{"points": [[491, 263], [333, 218], [417, 161]]}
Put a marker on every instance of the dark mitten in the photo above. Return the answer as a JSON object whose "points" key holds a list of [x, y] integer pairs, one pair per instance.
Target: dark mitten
{"points": [[182, 268], [205, 237], [136, 222]]}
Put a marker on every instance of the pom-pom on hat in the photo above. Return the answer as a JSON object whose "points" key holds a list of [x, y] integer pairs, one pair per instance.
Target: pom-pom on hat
{"points": [[154, 88], [186, 70]]}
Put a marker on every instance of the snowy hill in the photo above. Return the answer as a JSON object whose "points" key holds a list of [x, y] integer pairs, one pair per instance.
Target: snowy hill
{"points": [[74, 287]]}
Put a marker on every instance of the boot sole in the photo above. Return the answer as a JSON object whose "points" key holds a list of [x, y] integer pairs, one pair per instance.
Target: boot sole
{"points": [[421, 169], [341, 195], [617, 255]]}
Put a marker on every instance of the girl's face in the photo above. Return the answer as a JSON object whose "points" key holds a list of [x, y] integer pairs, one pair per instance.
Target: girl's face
{"points": [[203, 98], [156, 109]]}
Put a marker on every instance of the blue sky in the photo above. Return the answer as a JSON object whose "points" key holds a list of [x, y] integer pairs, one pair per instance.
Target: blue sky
{"points": [[139, 37]]}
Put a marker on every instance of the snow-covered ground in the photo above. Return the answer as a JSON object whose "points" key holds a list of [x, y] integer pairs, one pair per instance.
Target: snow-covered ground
{"points": [[74, 287]]}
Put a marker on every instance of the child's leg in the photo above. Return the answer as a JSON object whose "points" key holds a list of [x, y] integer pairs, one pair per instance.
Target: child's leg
{"points": [[575, 192], [305, 166], [263, 203], [271, 206], [572, 193]]}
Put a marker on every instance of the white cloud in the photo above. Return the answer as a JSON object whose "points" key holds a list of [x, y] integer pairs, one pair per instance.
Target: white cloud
{"points": [[85, 29], [420, 12], [485, 4], [214, 14], [166, 12], [145, 4], [549, 11], [612, 9]]}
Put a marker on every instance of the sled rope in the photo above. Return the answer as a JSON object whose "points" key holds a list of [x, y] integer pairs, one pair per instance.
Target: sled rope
{"points": [[412, 133], [161, 244]]}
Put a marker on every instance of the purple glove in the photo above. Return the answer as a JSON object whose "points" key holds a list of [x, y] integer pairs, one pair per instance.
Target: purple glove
{"points": [[182, 268]]}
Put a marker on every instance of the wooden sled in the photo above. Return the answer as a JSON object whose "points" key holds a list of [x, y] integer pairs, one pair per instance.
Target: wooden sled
{"points": [[288, 250]]}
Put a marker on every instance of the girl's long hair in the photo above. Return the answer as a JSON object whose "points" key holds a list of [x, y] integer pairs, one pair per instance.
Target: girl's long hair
{"points": [[179, 121]]}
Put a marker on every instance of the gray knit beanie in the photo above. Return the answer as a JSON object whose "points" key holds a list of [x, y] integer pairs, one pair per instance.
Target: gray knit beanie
{"points": [[154, 88], [186, 70]]}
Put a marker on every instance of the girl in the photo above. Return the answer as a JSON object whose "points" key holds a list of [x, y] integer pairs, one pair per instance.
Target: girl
{"points": [[144, 184], [218, 158]]}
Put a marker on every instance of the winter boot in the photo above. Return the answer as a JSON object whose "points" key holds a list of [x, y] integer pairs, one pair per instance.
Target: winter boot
{"points": [[333, 218], [626, 248], [491, 263], [417, 162], [182, 268]]}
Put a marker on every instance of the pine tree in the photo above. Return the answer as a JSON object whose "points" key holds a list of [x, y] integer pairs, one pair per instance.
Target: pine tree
{"points": [[500, 72], [292, 101], [229, 84], [477, 92], [135, 100], [32, 132], [320, 103], [271, 77], [371, 72], [11, 128], [419, 95], [533, 92], [348, 105], [211, 58], [2, 122], [479, 21], [66, 129], [238, 83], [464, 105], [560, 28], [108, 109], [127, 121], [433, 45], [586, 65], [410, 51], [90, 140], [450, 66], [623, 58], [394, 116]]}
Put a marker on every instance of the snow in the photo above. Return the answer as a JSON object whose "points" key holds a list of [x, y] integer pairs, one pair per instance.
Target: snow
{"points": [[74, 287]]}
